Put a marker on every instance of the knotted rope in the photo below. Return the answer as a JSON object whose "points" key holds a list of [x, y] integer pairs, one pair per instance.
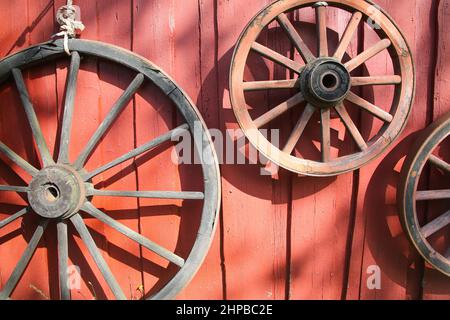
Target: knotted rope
{"points": [[69, 26]]}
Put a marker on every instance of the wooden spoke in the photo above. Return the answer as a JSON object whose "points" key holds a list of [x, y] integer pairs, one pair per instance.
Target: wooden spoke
{"points": [[322, 40], [184, 195], [441, 164], [14, 157], [278, 58], [432, 195], [32, 118], [68, 108], [14, 189], [299, 128], [279, 110], [348, 35], [166, 254], [376, 80], [63, 260], [326, 134], [299, 44], [83, 231], [13, 218], [366, 55], [374, 110], [351, 127], [18, 271], [138, 151], [274, 84], [107, 122], [436, 225]]}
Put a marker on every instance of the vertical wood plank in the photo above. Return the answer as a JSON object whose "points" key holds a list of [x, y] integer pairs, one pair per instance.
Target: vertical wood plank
{"points": [[379, 241], [202, 87], [115, 27], [254, 206], [436, 285], [322, 208], [23, 30], [89, 110], [171, 223]]}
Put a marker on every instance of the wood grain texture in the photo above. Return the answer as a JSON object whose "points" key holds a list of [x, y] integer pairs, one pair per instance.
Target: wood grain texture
{"points": [[290, 237], [435, 285], [377, 226]]}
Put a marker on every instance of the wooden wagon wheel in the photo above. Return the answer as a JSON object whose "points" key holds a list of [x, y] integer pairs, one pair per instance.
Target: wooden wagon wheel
{"points": [[323, 84], [60, 190], [423, 152]]}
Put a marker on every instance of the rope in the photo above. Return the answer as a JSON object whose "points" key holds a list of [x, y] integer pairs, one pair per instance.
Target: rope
{"points": [[69, 26]]}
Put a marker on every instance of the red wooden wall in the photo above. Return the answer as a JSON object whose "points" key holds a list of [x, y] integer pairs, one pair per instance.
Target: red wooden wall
{"points": [[295, 237]]}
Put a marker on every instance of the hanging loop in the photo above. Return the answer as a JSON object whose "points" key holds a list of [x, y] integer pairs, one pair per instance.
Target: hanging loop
{"points": [[69, 25]]}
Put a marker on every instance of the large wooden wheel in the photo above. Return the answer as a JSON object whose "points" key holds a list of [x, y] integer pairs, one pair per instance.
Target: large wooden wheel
{"points": [[322, 83], [430, 149], [60, 190]]}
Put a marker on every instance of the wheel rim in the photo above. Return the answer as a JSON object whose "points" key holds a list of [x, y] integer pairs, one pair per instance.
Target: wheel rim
{"points": [[394, 120], [420, 233], [60, 190]]}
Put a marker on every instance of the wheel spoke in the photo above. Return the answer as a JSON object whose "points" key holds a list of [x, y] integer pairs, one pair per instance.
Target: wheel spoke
{"points": [[441, 164], [63, 260], [432, 195], [185, 195], [348, 35], [326, 134], [24, 261], [299, 44], [136, 152], [351, 127], [321, 21], [436, 225], [367, 54], [13, 218], [274, 84], [278, 58], [375, 80], [97, 256], [14, 189], [279, 110], [112, 115], [166, 254], [14, 157], [299, 128], [374, 110], [32, 118], [68, 108]]}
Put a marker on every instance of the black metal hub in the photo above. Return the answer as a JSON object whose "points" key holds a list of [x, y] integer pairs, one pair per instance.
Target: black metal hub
{"points": [[56, 192], [325, 82]]}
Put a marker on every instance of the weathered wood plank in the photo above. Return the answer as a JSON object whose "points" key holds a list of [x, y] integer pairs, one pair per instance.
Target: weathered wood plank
{"points": [[377, 226], [436, 285], [322, 208]]}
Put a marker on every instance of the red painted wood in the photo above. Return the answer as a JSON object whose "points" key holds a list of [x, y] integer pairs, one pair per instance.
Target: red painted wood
{"points": [[297, 237], [26, 32], [435, 285], [321, 208], [260, 238], [378, 239]]}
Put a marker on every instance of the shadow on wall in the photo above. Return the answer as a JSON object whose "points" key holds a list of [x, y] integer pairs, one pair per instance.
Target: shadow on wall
{"points": [[387, 241], [259, 103]]}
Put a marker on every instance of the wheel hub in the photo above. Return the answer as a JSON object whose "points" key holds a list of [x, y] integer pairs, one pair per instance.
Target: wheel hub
{"points": [[56, 192], [325, 82]]}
